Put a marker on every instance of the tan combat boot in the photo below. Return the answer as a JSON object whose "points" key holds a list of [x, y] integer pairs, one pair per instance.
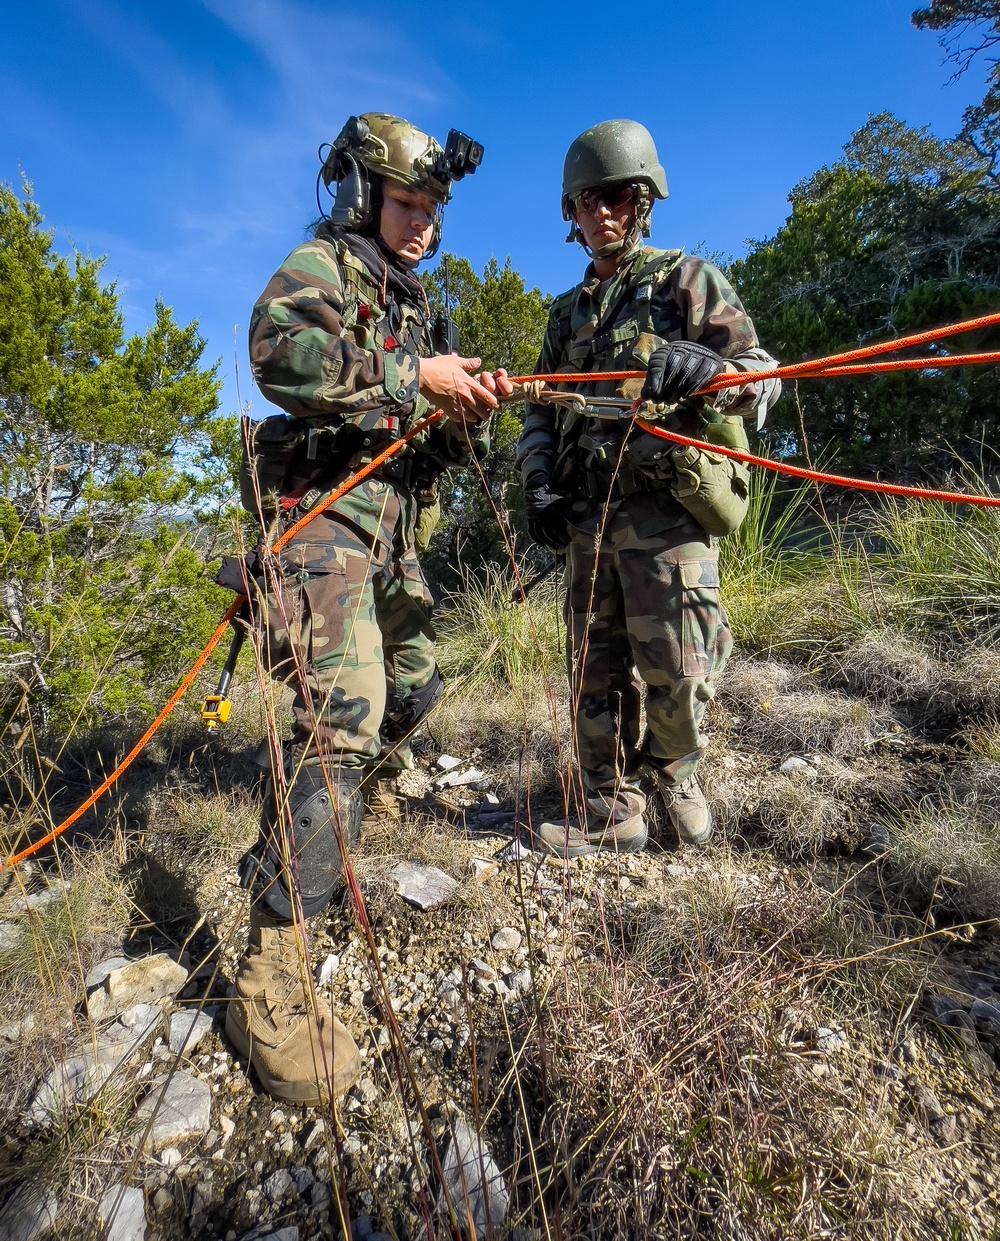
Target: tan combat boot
{"points": [[383, 805], [299, 1055], [689, 812], [614, 824]]}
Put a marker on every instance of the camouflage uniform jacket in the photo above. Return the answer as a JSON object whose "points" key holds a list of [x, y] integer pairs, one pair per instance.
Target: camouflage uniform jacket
{"points": [[329, 341], [655, 297]]}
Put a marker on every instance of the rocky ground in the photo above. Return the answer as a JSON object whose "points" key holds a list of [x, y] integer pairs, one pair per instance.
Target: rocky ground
{"points": [[688, 1039]]}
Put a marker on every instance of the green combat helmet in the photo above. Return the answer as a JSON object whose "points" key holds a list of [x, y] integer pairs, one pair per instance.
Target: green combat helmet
{"points": [[389, 146], [606, 154]]}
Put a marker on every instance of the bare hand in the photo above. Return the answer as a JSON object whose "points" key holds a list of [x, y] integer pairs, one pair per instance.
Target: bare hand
{"points": [[447, 381], [497, 382]]}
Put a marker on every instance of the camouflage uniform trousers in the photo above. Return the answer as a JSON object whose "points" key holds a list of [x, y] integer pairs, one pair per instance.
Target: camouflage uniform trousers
{"points": [[351, 623], [647, 604]]}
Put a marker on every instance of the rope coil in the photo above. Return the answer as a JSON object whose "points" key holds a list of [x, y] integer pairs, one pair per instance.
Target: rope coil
{"points": [[533, 389]]}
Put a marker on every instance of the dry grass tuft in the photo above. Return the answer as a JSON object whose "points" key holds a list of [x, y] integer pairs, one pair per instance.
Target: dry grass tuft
{"points": [[814, 720], [798, 816], [512, 731], [751, 684], [890, 667], [972, 680], [681, 1093], [949, 851]]}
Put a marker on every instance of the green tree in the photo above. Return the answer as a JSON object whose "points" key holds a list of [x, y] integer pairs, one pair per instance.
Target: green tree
{"points": [[502, 322], [902, 233], [109, 452], [967, 29]]}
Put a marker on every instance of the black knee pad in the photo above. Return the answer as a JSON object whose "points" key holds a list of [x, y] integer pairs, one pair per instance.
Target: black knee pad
{"points": [[402, 715], [304, 831]]}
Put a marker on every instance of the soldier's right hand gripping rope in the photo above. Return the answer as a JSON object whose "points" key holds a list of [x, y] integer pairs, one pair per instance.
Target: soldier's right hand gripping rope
{"points": [[678, 370]]}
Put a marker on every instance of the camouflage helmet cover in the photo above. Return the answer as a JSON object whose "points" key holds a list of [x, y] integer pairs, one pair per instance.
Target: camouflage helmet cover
{"points": [[394, 148], [607, 153]]}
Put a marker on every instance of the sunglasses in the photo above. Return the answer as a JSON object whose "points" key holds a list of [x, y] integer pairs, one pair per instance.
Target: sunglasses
{"points": [[614, 197]]}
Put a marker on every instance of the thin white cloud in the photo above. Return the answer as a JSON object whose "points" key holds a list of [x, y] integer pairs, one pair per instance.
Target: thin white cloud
{"points": [[322, 58]]}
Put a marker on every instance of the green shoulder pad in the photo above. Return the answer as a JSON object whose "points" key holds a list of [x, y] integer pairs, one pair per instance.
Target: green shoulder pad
{"points": [[561, 313], [356, 276], [657, 263]]}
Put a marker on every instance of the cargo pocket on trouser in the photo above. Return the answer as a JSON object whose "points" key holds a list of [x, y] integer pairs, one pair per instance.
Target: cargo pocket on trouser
{"points": [[295, 621], [674, 741], [702, 618]]}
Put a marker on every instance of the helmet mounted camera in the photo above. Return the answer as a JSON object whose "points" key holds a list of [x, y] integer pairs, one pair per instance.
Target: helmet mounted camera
{"points": [[462, 155]]}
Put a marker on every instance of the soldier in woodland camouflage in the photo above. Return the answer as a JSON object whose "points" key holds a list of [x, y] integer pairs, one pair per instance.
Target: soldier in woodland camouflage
{"points": [[637, 522], [340, 341]]}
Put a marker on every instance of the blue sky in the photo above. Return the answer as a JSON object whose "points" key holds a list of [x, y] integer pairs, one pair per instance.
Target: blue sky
{"points": [[179, 139]]}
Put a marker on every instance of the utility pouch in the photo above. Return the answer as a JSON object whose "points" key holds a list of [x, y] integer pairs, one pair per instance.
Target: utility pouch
{"points": [[715, 490], [269, 447], [428, 520]]}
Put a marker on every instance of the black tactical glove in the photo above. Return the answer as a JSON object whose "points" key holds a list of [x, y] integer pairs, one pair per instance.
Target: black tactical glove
{"points": [[543, 511], [678, 370]]}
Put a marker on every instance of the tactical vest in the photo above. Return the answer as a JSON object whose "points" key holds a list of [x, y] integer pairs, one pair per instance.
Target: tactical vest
{"points": [[297, 460], [622, 340], [591, 464]]}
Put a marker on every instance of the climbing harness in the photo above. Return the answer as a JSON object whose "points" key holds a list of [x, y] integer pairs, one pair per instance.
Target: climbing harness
{"points": [[534, 388]]}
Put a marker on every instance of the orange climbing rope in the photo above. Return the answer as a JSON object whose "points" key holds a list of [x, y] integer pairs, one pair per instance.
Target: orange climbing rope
{"points": [[827, 371], [841, 364], [213, 642], [837, 480], [801, 369]]}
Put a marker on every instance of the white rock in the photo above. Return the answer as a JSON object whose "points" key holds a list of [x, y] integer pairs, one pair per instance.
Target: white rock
{"points": [[458, 779], [507, 939], [122, 1212], [76, 1080], [450, 995], [38, 900], [797, 765], [136, 1025], [31, 1212], [291, 1233], [100, 972], [482, 968], [448, 762], [188, 1029], [17, 1030], [279, 1185], [519, 983], [830, 1041], [314, 1137], [516, 851], [303, 1179], [180, 1106], [471, 1176], [140, 982], [326, 969], [11, 934], [227, 1127], [423, 886]]}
